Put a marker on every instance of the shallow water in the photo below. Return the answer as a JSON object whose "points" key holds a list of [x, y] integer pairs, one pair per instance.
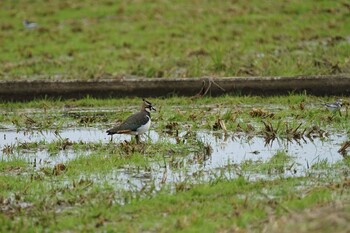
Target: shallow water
{"points": [[236, 150], [227, 153], [232, 148]]}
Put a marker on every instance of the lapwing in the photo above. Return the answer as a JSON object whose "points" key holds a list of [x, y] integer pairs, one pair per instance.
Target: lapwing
{"points": [[334, 107], [136, 124]]}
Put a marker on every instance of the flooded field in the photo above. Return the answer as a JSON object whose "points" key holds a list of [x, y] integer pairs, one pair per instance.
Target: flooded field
{"points": [[228, 160], [222, 156]]}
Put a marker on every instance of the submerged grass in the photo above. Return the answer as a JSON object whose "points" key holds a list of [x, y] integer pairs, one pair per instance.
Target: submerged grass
{"points": [[277, 164], [136, 38]]}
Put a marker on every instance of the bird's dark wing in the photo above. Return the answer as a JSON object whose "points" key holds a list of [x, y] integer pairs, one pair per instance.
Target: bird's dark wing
{"points": [[132, 123]]}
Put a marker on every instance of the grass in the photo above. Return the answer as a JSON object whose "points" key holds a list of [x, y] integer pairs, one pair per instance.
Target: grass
{"points": [[277, 164], [225, 205], [87, 40], [83, 193], [283, 114]]}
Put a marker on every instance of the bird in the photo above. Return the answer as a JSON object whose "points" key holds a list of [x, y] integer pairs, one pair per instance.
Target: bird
{"points": [[29, 25], [335, 106], [136, 124]]}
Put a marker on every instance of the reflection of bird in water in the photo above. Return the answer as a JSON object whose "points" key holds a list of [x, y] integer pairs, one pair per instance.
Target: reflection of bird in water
{"points": [[29, 25], [335, 106]]}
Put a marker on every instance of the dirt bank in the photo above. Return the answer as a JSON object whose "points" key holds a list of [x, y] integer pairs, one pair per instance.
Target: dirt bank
{"points": [[154, 87]]}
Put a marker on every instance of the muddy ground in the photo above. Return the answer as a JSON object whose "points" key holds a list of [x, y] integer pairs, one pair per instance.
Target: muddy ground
{"points": [[155, 87]]}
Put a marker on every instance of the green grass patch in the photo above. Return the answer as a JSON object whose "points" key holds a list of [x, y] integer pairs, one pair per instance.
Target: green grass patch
{"points": [[235, 204], [87, 40]]}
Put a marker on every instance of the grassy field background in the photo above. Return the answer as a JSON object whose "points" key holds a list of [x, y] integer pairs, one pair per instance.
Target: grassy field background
{"points": [[102, 39]]}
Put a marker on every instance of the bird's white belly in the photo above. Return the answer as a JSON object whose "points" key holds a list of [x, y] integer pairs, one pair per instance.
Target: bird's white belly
{"points": [[143, 129]]}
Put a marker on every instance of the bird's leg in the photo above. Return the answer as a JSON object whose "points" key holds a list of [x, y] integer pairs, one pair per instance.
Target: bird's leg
{"points": [[137, 139], [111, 138]]}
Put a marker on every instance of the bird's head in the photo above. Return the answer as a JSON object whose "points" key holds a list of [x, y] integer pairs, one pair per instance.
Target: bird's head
{"points": [[146, 105]]}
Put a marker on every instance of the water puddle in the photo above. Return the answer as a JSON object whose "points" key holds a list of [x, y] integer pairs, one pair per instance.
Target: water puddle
{"points": [[10, 138], [238, 149], [224, 162], [226, 154]]}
